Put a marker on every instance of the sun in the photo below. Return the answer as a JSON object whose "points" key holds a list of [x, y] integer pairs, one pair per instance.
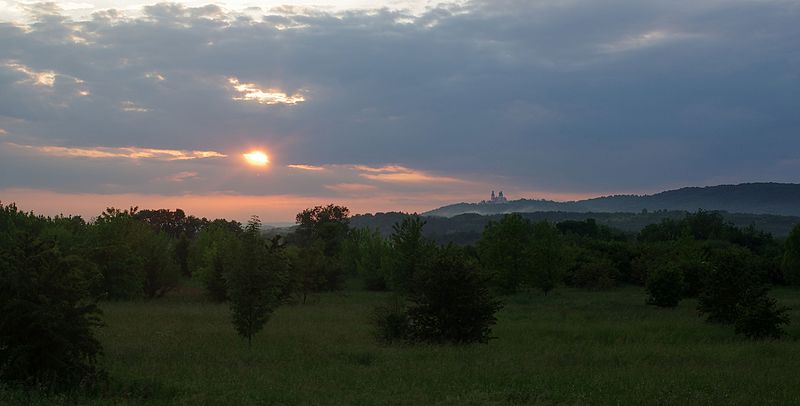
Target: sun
{"points": [[256, 158]]}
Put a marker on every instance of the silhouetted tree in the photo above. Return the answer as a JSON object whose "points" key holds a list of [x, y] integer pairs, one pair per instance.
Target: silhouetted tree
{"points": [[412, 252], [254, 286], [450, 301], [664, 285], [47, 309], [504, 249], [547, 256], [791, 257]]}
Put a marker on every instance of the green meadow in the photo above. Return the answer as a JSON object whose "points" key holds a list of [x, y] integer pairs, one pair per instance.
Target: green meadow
{"points": [[570, 347]]}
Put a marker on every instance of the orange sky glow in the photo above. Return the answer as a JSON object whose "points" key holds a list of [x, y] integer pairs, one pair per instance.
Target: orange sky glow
{"points": [[270, 208]]}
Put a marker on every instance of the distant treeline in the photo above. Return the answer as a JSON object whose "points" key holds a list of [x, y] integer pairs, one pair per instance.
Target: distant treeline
{"points": [[466, 229]]}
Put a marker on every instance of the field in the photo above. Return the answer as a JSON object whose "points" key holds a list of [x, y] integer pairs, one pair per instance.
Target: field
{"points": [[571, 347]]}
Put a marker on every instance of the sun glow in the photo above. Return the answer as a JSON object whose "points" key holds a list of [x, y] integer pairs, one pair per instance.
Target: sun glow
{"points": [[256, 158]]}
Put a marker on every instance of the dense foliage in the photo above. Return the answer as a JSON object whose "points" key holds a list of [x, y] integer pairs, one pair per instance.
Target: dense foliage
{"points": [[450, 301], [47, 308], [665, 286]]}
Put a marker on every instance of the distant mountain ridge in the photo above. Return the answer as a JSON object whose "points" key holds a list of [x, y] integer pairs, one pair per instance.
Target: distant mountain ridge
{"points": [[756, 198]]}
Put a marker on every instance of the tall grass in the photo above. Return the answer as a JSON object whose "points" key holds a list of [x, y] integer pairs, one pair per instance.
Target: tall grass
{"points": [[573, 346]]}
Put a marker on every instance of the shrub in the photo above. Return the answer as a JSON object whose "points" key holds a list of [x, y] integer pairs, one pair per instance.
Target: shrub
{"points": [[727, 284], [791, 257], [591, 271], [450, 302], [390, 322], [664, 286], [760, 317]]}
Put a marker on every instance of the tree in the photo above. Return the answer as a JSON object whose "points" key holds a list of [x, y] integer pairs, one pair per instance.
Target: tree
{"points": [[760, 316], [665, 285], [369, 256], [504, 250], [47, 314], [254, 286], [450, 301], [727, 284], [134, 259], [791, 257], [412, 252], [325, 227], [214, 253], [325, 223], [548, 260]]}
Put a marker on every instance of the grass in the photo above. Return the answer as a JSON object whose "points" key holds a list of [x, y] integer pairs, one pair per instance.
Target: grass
{"points": [[571, 347]]}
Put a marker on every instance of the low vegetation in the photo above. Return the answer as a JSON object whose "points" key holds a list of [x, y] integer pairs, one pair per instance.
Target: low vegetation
{"points": [[382, 300]]}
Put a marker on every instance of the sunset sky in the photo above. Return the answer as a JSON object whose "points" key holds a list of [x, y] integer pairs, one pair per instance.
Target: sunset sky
{"points": [[393, 105]]}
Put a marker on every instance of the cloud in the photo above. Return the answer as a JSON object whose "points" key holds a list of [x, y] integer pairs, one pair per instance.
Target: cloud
{"points": [[46, 78], [402, 174], [251, 92], [350, 187], [306, 167], [132, 107], [134, 153], [182, 176]]}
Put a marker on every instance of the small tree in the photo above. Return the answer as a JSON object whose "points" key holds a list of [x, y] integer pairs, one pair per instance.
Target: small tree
{"points": [[253, 287], [727, 283], [451, 301], [791, 257], [504, 249], [548, 261], [759, 316], [412, 252], [370, 256], [664, 285]]}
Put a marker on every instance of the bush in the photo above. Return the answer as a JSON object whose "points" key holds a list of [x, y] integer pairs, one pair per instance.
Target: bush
{"points": [[47, 315], [791, 257], [760, 317], [390, 322], [593, 272], [451, 302], [665, 286], [727, 284]]}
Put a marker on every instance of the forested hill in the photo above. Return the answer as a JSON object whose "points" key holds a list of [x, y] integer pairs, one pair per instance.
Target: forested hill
{"points": [[467, 228], [756, 198]]}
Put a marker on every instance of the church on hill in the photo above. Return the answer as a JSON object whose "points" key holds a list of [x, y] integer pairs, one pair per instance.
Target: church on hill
{"points": [[496, 199]]}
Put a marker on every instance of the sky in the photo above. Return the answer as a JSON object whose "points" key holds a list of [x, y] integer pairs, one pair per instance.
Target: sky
{"points": [[389, 106]]}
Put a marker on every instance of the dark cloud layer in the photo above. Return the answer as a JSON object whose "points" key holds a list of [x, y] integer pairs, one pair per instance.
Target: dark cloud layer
{"points": [[558, 96]]}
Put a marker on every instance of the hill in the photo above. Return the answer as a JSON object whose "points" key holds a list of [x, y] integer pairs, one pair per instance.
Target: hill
{"points": [[467, 228], [756, 198]]}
